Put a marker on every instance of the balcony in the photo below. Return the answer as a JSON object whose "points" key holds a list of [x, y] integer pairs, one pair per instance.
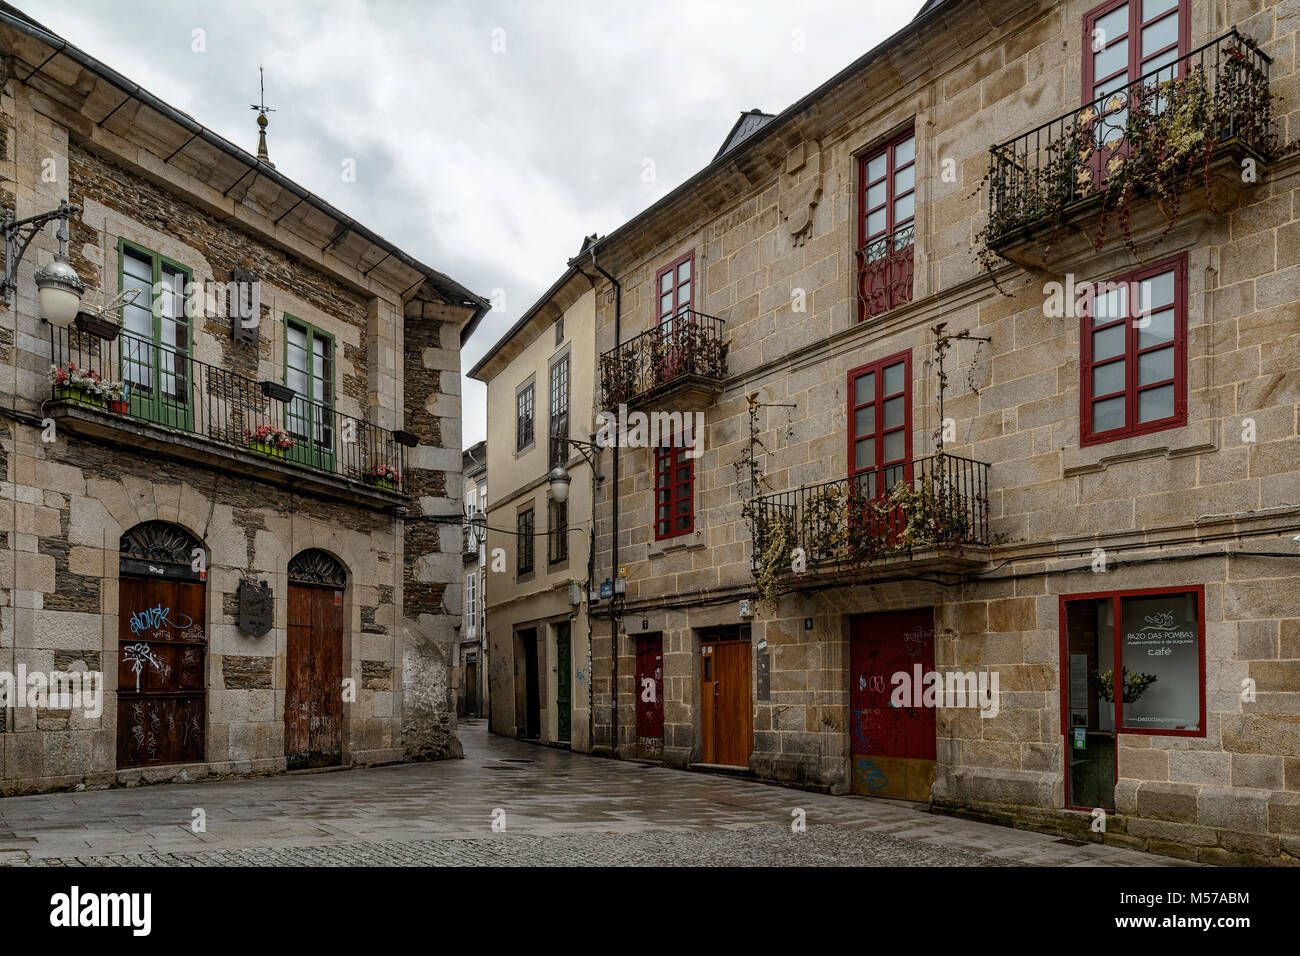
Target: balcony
{"points": [[885, 272], [1180, 135], [468, 546], [678, 366], [179, 407], [927, 514]]}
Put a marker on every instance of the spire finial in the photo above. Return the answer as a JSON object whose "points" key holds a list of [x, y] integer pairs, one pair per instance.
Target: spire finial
{"points": [[262, 110]]}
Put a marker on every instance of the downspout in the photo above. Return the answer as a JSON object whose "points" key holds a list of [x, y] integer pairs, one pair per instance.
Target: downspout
{"points": [[613, 620]]}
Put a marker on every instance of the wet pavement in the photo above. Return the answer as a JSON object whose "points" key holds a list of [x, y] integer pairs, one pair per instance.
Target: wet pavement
{"points": [[510, 803]]}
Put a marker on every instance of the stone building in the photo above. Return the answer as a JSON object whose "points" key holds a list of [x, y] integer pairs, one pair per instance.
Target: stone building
{"points": [[237, 539], [540, 396], [931, 447], [471, 662]]}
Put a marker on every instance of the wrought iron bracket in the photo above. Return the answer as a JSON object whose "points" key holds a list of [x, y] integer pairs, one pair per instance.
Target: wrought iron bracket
{"points": [[589, 450], [19, 234]]}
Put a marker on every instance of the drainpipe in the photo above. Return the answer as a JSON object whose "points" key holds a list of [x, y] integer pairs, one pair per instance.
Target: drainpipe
{"points": [[613, 621]]}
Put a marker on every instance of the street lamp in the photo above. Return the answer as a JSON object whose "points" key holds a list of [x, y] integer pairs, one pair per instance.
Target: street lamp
{"points": [[478, 527], [559, 477], [559, 481], [59, 288]]}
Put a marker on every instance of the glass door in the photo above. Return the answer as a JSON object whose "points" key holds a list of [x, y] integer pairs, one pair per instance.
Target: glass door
{"points": [[880, 416], [154, 350], [1090, 720], [309, 416]]}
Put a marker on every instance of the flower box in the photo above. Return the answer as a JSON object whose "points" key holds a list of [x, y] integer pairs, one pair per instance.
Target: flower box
{"points": [[268, 448], [120, 406], [268, 440], [81, 396], [383, 476]]}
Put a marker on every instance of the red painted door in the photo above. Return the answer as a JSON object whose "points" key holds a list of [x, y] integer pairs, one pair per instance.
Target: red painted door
{"points": [[313, 698], [892, 747], [161, 689], [650, 695]]}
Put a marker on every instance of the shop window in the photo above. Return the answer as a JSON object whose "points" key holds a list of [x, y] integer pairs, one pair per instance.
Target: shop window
{"points": [[1132, 662]]}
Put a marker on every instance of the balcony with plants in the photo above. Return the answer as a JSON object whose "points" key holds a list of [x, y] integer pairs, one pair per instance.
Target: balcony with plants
{"points": [[679, 366], [135, 392], [925, 515], [1181, 139]]}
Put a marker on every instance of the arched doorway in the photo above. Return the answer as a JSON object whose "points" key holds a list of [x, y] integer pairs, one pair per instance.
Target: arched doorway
{"points": [[162, 646], [313, 698]]}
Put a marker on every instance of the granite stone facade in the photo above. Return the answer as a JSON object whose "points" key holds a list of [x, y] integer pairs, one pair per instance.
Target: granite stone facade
{"points": [[1213, 503], [77, 478]]}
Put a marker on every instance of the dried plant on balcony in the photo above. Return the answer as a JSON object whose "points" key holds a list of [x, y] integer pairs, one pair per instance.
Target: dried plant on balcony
{"points": [[927, 515], [1154, 139], [777, 543], [618, 378]]}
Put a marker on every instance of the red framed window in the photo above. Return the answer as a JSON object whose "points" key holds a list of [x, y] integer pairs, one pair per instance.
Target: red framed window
{"points": [[676, 285], [880, 424], [1132, 662], [1133, 344], [674, 490], [1127, 39], [886, 226]]}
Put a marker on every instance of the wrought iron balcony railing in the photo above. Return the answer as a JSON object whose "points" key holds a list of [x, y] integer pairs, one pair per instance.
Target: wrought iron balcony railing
{"points": [[1217, 96], [166, 387], [885, 272], [691, 344], [938, 502]]}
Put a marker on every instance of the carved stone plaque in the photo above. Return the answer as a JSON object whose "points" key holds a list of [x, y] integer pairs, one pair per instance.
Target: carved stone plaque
{"points": [[256, 608]]}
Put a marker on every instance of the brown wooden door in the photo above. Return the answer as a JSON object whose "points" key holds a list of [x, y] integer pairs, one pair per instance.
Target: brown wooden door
{"points": [[727, 719], [313, 698], [161, 687]]}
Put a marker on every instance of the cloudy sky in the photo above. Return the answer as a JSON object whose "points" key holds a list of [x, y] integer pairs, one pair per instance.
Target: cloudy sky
{"points": [[488, 137]]}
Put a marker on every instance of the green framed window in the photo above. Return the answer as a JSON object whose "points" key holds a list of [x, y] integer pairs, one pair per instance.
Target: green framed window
{"points": [[156, 340], [309, 371]]}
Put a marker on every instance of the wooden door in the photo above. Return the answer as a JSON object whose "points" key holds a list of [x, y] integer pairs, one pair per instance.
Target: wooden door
{"points": [[893, 748], [532, 696], [563, 686], [313, 697], [471, 688], [727, 723], [650, 695], [161, 687]]}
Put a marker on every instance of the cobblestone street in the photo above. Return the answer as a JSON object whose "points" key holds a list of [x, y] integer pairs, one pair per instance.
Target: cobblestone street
{"points": [[559, 809]]}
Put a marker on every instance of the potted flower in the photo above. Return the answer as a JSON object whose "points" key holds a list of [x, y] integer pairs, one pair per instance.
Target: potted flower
{"points": [[81, 385], [268, 440], [1132, 685], [384, 476], [117, 395]]}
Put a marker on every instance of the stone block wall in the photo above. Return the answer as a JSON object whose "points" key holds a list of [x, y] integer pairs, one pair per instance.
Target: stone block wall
{"points": [[65, 499], [1228, 479]]}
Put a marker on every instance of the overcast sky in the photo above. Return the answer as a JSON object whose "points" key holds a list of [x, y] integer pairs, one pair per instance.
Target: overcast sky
{"points": [[488, 137]]}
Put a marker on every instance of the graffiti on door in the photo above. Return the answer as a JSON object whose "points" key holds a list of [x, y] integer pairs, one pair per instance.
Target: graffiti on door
{"points": [[151, 620]]}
